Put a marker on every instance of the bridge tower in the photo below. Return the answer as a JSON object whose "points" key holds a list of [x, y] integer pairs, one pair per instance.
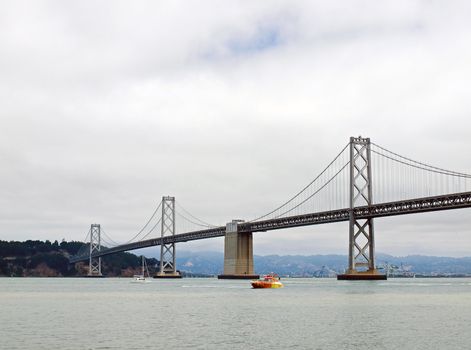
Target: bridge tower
{"points": [[361, 253], [167, 250], [94, 264], [238, 253]]}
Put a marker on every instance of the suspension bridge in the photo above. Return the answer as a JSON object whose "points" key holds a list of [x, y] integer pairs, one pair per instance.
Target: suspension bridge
{"points": [[343, 191]]}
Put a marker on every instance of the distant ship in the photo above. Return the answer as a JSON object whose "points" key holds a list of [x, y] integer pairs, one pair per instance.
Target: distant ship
{"points": [[269, 281]]}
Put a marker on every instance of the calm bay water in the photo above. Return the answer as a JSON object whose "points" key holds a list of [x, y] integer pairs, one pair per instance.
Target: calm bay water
{"points": [[112, 313]]}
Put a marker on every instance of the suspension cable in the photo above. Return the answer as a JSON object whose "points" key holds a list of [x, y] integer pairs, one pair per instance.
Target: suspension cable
{"points": [[88, 234], [429, 168], [309, 184], [110, 240], [107, 244], [316, 192], [83, 248], [147, 223], [440, 170], [152, 229], [194, 217], [194, 223]]}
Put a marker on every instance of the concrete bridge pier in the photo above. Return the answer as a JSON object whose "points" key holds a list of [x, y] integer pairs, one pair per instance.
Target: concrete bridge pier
{"points": [[238, 253]]}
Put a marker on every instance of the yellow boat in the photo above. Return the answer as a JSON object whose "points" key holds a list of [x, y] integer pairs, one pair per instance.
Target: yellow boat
{"points": [[269, 281]]}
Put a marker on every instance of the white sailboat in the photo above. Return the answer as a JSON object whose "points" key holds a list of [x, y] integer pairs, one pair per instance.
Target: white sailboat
{"points": [[142, 277]]}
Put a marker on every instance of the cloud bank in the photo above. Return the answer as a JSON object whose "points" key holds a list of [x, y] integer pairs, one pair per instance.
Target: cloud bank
{"points": [[230, 107]]}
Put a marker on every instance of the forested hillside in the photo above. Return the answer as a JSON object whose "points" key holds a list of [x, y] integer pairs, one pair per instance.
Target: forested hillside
{"points": [[46, 259]]}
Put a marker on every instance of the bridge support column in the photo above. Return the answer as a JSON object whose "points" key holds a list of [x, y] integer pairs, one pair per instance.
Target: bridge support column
{"points": [[167, 251], [94, 264], [361, 253], [238, 254]]}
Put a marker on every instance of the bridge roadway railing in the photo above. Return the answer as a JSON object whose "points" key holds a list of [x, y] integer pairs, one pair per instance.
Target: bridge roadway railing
{"points": [[410, 206]]}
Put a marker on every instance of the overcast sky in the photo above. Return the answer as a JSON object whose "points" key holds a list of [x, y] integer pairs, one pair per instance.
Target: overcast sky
{"points": [[231, 107]]}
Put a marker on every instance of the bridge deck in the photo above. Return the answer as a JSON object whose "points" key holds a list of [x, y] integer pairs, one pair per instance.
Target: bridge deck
{"points": [[411, 206]]}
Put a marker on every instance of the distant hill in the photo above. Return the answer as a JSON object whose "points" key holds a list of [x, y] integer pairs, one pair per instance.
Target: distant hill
{"points": [[211, 263], [38, 258]]}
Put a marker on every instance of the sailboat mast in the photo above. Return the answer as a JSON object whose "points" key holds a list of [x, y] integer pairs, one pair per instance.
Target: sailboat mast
{"points": [[143, 266]]}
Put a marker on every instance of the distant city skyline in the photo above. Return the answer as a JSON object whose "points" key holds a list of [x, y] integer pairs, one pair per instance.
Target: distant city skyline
{"points": [[232, 108]]}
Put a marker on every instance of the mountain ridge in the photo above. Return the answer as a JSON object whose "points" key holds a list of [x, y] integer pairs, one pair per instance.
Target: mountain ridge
{"points": [[211, 263]]}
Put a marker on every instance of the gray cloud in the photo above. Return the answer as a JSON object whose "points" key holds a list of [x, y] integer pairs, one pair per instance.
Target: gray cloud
{"points": [[232, 108]]}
